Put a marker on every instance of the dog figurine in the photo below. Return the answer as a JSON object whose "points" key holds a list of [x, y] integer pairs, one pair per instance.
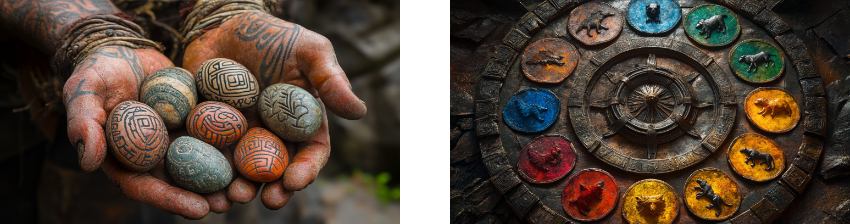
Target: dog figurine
{"points": [[594, 21], [706, 191], [652, 13], [753, 155], [773, 107], [587, 195], [711, 24], [754, 59], [651, 205]]}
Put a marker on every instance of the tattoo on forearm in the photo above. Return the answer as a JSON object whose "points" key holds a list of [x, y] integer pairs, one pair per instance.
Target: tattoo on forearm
{"points": [[273, 36], [43, 21], [79, 92]]}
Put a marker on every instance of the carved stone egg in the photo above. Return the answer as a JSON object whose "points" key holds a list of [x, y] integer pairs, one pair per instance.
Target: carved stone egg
{"points": [[136, 136], [171, 93], [197, 166], [261, 156], [216, 123], [224, 80], [290, 112]]}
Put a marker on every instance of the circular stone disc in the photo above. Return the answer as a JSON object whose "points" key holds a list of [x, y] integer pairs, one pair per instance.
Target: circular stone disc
{"points": [[549, 60], [585, 18], [531, 110], [597, 208], [716, 37], [536, 163], [722, 186], [785, 110], [748, 51], [651, 191], [669, 15], [761, 144]]}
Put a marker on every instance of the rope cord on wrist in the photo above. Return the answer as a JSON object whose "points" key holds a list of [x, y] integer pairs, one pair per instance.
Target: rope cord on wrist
{"points": [[95, 31], [207, 14]]}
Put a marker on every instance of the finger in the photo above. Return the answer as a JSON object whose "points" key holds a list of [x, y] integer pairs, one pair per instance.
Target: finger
{"points": [[316, 59], [311, 157], [218, 201], [275, 196], [85, 120], [242, 190], [146, 189]]}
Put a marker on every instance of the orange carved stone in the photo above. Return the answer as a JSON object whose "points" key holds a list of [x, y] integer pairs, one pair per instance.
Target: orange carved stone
{"points": [[216, 123], [261, 156]]}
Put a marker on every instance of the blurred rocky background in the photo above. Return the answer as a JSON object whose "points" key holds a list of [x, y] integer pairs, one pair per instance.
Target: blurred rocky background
{"points": [[42, 182]]}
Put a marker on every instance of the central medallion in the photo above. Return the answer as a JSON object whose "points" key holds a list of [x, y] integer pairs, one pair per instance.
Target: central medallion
{"points": [[651, 102], [651, 105]]}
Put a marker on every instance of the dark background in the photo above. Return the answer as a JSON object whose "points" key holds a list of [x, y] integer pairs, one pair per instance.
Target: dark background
{"points": [[478, 27], [41, 180]]}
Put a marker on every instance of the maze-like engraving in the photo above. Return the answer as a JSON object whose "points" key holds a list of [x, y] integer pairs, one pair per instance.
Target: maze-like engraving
{"points": [[216, 123], [291, 112], [137, 135], [225, 80], [260, 156]]}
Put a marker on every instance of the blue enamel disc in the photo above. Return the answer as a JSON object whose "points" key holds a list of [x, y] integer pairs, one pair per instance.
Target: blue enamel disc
{"points": [[531, 110], [654, 16]]}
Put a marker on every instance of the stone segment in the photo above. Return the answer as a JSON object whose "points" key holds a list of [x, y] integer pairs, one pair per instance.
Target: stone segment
{"points": [[136, 136], [171, 93], [290, 112], [224, 80], [260, 156], [197, 166], [216, 123]]}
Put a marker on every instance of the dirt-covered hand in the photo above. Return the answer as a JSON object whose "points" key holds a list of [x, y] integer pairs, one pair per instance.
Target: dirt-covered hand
{"points": [[277, 51], [105, 78]]}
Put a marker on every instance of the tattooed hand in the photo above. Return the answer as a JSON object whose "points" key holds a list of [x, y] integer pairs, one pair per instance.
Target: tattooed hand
{"points": [[276, 51], [104, 79]]}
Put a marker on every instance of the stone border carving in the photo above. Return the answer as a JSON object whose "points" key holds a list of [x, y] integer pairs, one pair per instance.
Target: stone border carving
{"points": [[777, 198]]}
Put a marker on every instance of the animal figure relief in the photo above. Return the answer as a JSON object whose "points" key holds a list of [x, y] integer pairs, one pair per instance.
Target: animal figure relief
{"points": [[529, 109], [547, 159], [754, 60], [594, 21], [753, 155], [773, 107], [546, 57], [650, 205], [715, 200], [587, 195], [711, 24], [652, 13]]}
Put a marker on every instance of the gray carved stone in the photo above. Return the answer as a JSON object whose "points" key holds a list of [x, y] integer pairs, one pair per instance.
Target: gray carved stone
{"points": [[290, 112], [197, 166]]}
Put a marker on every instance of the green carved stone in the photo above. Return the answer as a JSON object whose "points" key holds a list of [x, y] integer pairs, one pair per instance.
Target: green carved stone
{"points": [[712, 25], [197, 166]]}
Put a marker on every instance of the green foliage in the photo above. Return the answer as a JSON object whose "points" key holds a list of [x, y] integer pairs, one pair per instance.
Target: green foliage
{"points": [[377, 184]]}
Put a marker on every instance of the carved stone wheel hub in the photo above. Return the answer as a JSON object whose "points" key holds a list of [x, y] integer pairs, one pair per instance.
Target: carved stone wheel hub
{"points": [[669, 89]]}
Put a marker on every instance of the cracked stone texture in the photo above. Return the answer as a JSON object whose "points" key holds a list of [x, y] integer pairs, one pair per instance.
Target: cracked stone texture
{"points": [[469, 56]]}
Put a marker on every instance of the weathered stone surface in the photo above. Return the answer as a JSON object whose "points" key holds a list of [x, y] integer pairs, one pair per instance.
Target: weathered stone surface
{"points": [[197, 166], [171, 93], [261, 156], [136, 136], [216, 123], [224, 80], [290, 112]]}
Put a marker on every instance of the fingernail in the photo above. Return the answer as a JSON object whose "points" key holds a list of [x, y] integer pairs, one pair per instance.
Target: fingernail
{"points": [[364, 103], [81, 149]]}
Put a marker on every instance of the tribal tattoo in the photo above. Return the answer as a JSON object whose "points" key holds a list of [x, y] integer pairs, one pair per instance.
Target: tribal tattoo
{"points": [[42, 22], [128, 55], [273, 36]]}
